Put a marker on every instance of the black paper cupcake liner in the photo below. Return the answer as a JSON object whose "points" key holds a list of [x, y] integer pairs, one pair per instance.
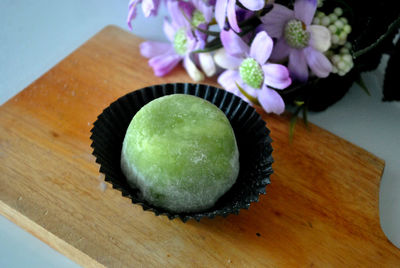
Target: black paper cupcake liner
{"points": [[252, 136]]}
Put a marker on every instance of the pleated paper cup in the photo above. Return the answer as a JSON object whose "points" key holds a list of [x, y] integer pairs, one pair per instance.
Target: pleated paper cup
{"points": [[252, 136]]}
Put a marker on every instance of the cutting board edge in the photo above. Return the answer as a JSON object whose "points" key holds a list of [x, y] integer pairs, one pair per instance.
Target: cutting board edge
{"points": [[47, 237]]}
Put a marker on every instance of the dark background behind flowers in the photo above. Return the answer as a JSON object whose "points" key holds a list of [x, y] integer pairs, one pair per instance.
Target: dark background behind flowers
{"points": [[374, 26]]}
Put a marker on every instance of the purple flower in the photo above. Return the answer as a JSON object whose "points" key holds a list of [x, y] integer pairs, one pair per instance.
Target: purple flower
{"points": [[297, 39], [165, 56], [224, 8], [248, 67], [149, 7], [198, 11], [200, 15]]}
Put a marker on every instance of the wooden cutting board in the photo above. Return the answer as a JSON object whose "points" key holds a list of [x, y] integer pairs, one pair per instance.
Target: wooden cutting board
{"points": [[320, 210]]}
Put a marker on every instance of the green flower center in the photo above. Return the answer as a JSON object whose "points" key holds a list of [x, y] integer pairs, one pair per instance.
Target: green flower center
{"points": [[180, 42], [197, 18], [251, 73], [295, 34]]}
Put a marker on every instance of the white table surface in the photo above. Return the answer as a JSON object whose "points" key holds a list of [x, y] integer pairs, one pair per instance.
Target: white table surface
{"points": [[37, 34]]}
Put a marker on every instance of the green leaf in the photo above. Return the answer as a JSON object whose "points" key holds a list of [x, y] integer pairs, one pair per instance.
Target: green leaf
{"points": [[247, 95], [361, 83], [293, 121], [392, 27], [305, 116], [299, 103]]}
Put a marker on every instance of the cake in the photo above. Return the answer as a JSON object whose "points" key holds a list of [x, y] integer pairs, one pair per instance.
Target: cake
{"points": [[180, 151]]}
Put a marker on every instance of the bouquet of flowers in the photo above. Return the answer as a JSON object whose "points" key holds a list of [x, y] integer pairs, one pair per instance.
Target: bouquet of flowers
{"points": [[303, 54]]}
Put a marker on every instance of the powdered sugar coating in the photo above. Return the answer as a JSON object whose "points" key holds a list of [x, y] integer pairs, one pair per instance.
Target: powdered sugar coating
{"points": [[181, 152]]}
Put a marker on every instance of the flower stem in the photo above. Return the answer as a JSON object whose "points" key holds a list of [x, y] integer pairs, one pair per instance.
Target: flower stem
{"points": [[247, 95], [212, 33]]}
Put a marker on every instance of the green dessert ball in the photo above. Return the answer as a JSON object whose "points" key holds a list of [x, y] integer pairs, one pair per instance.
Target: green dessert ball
{"points": [[180, 151]]}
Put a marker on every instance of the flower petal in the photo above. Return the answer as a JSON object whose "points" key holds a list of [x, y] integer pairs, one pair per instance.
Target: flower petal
{"points": [[207, 64], [151, 49], [253, 5], [231, 13], [206, 10], [178, 19], [320, 37], [298, 65], [225, 60], [131, 13], [261, 47], [304, 10], [186, 7], [281, 50], [253, 92], [150, 7], [200, 35], [228, 80], [220, 12], [192, 69], [192, 43], [243, 14], [276, 76], [275, 20], [233, 44], [163, 64], [318, 62], [169, 30], [271, 101]]}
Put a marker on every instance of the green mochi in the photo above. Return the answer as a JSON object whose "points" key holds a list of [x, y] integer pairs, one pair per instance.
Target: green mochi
{"points": [[180, 151]]}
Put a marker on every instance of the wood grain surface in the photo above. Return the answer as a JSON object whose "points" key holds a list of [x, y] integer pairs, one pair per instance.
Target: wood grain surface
{"points": [[320, 210]]}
